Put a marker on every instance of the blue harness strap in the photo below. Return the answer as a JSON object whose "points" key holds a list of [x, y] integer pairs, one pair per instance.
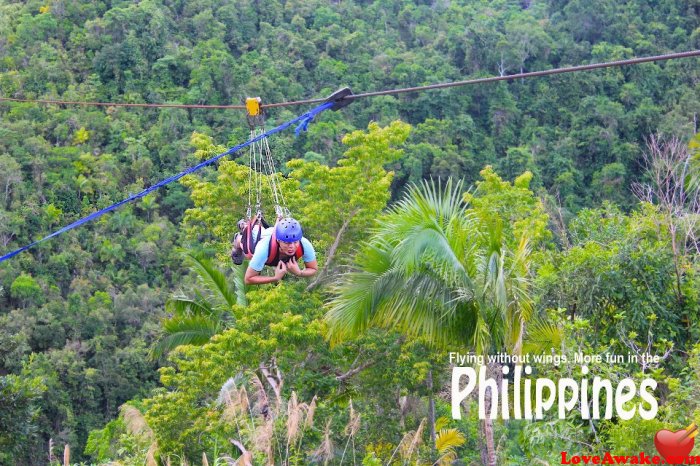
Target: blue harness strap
{"points": [[302, 120]]}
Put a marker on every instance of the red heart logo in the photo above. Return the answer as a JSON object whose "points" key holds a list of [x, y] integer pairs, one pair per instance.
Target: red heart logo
{"points": [[674, 446]]}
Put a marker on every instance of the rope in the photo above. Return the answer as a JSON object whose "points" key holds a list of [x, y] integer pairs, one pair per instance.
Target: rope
{"points": [[262, 164], [255, 166], [250, 179], [259, 168], [120, 104], [303, 121], [283, 204], [272, 172], [534, 74]]}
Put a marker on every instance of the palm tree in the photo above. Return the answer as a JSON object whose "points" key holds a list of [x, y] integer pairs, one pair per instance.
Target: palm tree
{"points": [[195, 320], [433, 269]]}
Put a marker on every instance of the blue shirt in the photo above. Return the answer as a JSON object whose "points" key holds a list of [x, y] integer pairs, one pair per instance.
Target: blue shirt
{"points": [[259, 258]]}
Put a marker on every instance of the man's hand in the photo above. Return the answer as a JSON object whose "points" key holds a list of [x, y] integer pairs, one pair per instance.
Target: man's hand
{"points": [[281, 270], [293, 267]]}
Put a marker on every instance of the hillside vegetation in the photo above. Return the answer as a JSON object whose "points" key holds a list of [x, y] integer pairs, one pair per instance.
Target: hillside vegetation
{"points": [[549, 168]]}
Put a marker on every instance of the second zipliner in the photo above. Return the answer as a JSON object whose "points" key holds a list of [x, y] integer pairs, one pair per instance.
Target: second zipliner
{"points": [[282, 245]]}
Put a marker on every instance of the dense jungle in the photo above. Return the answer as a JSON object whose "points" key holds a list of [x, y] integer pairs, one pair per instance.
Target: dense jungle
{"points": [[550, 215]]}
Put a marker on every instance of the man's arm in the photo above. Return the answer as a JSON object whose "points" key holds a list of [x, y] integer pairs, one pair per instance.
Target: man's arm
{"points": [[253, 277]]}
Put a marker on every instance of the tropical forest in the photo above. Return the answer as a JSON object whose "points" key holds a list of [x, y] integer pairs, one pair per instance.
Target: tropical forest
{"points": [[541, 233]]}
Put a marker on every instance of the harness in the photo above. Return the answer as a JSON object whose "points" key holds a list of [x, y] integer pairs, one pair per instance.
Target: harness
{"points": [[251, 234]]}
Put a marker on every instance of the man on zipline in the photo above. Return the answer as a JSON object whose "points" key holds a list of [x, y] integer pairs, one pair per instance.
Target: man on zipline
{"points": [[280, 246]]}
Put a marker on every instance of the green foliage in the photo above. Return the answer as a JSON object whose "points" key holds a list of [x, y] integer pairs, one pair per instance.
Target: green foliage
{"points": [[631, 437], [440, 270], [332, 203], [83, 309], [512, 208], [99, 442], [396, 288], [540, 440], [25, 290], [340, 203], [19, 397], [194, 321], [446, 443], [279, 323], [620, 269]]}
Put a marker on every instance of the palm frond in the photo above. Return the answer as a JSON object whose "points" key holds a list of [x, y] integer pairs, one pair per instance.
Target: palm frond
{"points": [[356, 302], [542, 337], [426, 245], [449, 439], [441, 423], [184, 306], [481, 337], [429, 270], [191, 330], [239, 285], [214, 281], [420, 306]]}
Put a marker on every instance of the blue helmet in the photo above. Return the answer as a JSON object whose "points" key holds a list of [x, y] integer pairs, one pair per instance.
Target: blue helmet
{"points": [[288, 230]]}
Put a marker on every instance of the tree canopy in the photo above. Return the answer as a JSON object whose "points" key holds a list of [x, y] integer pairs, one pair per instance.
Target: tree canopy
{"points": [[560, 224]]}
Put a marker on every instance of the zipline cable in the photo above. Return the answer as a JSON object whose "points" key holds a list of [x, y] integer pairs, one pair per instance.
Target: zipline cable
{"points": [[533, 74], [303, 121]]}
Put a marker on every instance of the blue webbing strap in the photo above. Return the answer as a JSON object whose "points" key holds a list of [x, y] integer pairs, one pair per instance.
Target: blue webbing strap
{"points": [[303, 121]]}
